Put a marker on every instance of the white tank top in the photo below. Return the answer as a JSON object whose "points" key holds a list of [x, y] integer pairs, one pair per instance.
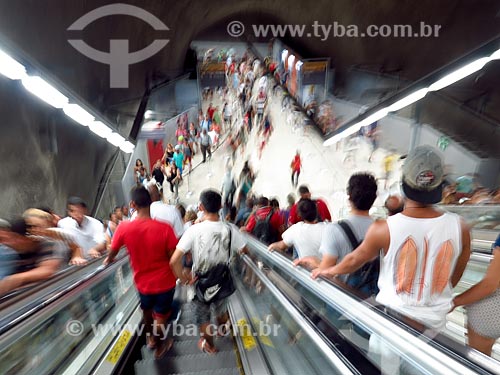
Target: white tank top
{"points": [[415, 273]]}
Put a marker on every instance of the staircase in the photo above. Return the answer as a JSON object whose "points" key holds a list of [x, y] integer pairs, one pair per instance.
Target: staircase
{"points": [[185, 357]]}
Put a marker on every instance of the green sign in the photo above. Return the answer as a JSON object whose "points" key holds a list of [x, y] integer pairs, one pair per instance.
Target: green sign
{"points": [[443, 142]]}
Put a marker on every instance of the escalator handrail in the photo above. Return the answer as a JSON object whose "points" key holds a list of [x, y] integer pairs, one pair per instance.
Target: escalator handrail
{"points": [[305, 326], [411, 347], [25, 292], [27, 310]]}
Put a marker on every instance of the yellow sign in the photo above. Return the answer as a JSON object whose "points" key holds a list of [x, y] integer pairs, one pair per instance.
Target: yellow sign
{"points": [[315, 66], [119, 347], [245, 333]]}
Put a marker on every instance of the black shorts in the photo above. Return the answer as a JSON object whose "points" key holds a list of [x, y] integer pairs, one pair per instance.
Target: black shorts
{"points": [[160, 303]]}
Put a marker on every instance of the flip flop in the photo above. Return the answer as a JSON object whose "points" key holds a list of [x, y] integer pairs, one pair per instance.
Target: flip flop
{"points": [[163, 348], [205, 347], [151, 342]]}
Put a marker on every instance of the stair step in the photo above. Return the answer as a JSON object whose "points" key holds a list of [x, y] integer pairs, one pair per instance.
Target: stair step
{"points": [[151, 369], [184, 347], [190, 363]]}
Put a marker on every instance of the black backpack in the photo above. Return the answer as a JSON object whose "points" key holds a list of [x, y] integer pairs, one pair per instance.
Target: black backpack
{"points": [[364, 279], [263, 230]]}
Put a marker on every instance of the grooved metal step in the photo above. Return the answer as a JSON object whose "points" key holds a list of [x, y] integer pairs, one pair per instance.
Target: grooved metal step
{"points": [[185, 347], [190, 363]]}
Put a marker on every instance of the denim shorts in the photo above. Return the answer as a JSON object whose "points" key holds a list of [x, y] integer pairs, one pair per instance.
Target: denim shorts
{"points": [[160, 303]]}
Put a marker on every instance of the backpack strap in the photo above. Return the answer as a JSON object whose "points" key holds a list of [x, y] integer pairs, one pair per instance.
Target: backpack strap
{"points": [[349, 233]]}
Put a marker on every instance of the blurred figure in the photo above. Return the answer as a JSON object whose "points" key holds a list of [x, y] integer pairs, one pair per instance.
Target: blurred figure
{"points": [[296, 165], [8, 256], [394, 204], [228, 189], [158, 173], [483, 306], [111, 228], [87, 231], [37, 260], [164, 212], [125, 212], [41, 223], [323, 211]]}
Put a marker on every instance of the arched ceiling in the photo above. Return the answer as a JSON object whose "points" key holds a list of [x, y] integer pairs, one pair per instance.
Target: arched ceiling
{"points": [[38, 29]]}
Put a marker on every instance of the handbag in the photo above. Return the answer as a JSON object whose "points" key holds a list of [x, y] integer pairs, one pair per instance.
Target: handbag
{"points": [[217, 283]]}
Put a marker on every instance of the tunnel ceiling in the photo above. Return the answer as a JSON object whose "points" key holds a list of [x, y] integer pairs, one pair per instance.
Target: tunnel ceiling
{"points": [[38, 30]]}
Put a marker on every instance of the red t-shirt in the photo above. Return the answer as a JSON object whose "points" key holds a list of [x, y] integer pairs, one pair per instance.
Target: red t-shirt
{"points": [[262, 212], [296, 163], [323, 212], [210, 112], [150, 244]]}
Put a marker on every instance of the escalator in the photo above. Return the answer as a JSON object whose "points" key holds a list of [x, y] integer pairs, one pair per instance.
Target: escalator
{"points": [[282, 323]]}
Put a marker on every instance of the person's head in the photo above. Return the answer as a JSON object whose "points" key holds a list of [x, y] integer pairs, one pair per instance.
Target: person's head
{"points": [[423, 172], [138, 163], [113, 218], [190, 216], [210, 201], [77, 209], [307, 210], [394, 204], [177, 148], [37, 218], [154, 193], [304, 192], [18, 237], [250, 202], [297, 152], [206, 116], [55, 217], [290, 198], [119, 213], [274, 203], [362, 190], [125, 211], [181, 209], [262, 202], [191, 126], [210, 105], [140, 198]]}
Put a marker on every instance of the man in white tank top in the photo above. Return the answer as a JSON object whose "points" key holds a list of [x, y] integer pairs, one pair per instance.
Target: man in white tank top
{"points": [[424, 250]]}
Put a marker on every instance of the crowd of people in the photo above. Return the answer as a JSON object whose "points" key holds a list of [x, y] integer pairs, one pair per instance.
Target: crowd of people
{"points": [[411, 262]]}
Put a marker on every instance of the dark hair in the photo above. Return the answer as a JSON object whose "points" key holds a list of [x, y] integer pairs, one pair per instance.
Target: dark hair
{"points": [[19, 226], [362, 190], [181, 209], [137, 161], [141, 197], [263, 201], [274, 203], [76, 201], [211, 201], [307, 209], [303, 189]]}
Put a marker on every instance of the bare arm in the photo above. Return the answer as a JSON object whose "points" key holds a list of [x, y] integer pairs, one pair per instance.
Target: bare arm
{"points": [[176, 266], [45, 270], [463, 259], [485, 287], [376, 238], [281, 246]]}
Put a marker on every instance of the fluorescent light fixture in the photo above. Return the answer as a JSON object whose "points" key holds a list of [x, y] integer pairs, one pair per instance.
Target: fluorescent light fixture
{"points": [[115, 139], [78, 114], [127, 147], [495, 55], [284, 54], [100, 129], [298, 65], [407, 100], [461, 73], [291, 59], [10, 68], [38, 87], [148, 114], [356, 127]]}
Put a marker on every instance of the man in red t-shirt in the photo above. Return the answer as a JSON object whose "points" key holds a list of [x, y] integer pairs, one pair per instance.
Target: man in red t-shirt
{"points": [[150, 244], [323, 211], [263, 210], [295, 165], [210, 112]]}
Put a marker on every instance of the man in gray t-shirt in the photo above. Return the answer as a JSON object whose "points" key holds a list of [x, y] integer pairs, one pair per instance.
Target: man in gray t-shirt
{"points": [[335, 245]]}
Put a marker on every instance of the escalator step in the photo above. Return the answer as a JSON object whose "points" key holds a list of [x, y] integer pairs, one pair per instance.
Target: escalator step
{"points": [[191, 363], [185, 347], [220, 371]]}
